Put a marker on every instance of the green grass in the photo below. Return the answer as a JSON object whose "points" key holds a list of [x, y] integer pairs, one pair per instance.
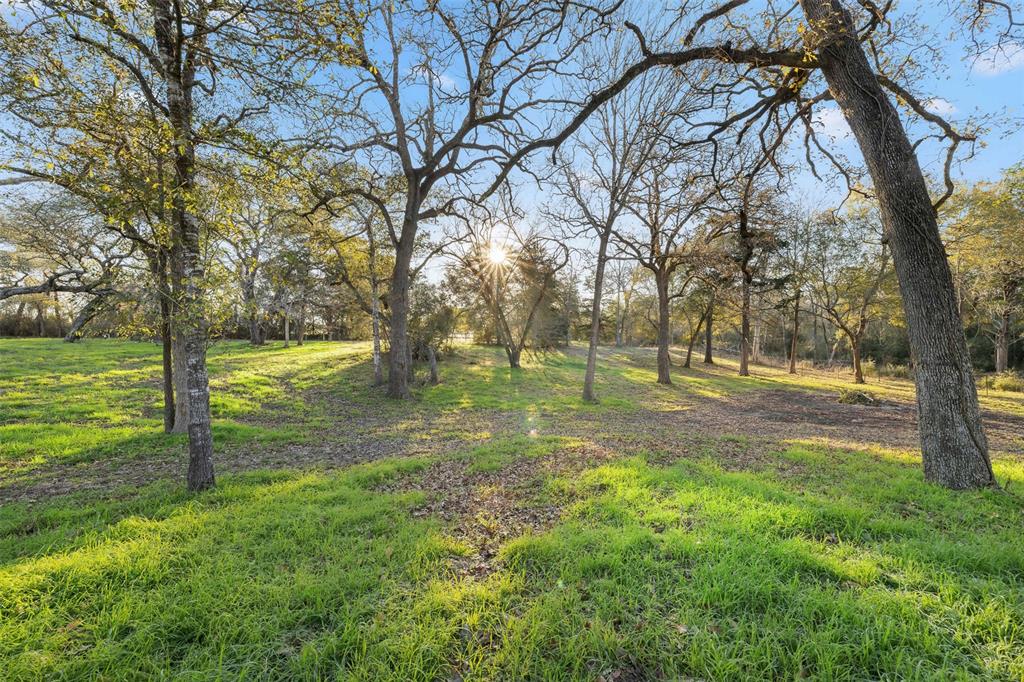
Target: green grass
{"points": [[824, 561]]}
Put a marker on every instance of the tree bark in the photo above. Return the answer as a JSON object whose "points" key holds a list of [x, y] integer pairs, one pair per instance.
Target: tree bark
{"points": [[180, 377], [953, 443], [858, 373], [287, 329], [179, 79], [1003, 341], [432, 358], [300, 324], [747, 252], [708, 332], [89, 311], [693, 337], [664, 331], [595, 319], [399, 351], [158, 257], [795, 341]]}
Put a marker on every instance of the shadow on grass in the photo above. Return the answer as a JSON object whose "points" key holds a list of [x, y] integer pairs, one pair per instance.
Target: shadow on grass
{"points": [[848, 567]]}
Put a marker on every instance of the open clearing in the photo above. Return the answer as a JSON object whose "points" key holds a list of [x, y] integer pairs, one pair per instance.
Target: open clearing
{"points": [[495, 528]]}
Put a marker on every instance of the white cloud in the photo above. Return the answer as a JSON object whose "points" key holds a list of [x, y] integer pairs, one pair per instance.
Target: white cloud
{"points": [[831, 122], [999, 59], [942, 107]]}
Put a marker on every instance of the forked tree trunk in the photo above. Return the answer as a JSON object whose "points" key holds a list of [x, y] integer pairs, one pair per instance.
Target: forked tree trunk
{"points": [[953, 443], [664, 331], [708, 332], [795, 342], [595, 319]]}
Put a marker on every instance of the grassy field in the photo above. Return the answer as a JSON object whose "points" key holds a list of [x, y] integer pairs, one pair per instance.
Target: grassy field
{"points": [[494, 528]]}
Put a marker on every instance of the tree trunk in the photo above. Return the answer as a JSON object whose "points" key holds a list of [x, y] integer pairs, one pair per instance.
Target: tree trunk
{"points": [[693, 337], [514, 354], [398, 356], [180, 378], [179, 78], [708, 360], [858, 373], [432, 357], [664, 331], [595, 319], [953, 444], [795, 341], [755, 349], [300, 325], [1003, 341], [158, 268], [89, 311], [287, 330], [747, 251]]}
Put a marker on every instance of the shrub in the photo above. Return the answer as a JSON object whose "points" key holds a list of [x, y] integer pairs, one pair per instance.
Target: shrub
{"points": [[1008, 381]]}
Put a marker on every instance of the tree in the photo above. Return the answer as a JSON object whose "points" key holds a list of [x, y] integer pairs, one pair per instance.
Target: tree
{"points": [[985, 241], [600, 180], [851, 274], [779, 61], [441, 94]]}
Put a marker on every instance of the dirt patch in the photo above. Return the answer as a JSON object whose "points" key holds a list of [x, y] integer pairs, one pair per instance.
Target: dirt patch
{"points": [[484, 510]]}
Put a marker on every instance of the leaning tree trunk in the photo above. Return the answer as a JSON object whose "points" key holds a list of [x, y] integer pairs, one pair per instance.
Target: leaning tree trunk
{"points": [[693, 338], [795, 342], [664, 331], [708, 332], [84, 316], [595, 319], [953, 444]]}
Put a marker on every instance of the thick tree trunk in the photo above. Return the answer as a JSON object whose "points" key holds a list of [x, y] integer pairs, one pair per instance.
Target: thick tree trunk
{"points": [[708, 332], [1003, 341], [953, 443], [858, 373], [287, 330], [664, 331], [399, 351], [595, 319], [514, 354], [795, 341]]}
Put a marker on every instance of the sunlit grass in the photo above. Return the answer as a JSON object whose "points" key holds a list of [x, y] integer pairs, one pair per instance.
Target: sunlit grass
{"points": [[824, 559]]}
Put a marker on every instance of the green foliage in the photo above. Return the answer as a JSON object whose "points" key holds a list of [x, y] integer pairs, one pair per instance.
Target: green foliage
{"points": [[1008, 381]]}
